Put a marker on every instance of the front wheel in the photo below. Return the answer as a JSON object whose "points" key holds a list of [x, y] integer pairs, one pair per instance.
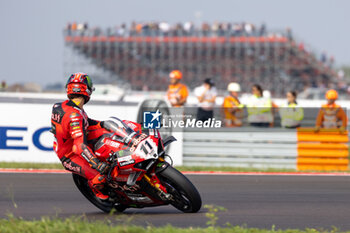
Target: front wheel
{"points": [[185, 195]]}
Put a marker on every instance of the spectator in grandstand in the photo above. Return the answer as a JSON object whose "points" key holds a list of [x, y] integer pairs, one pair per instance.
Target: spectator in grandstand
{"points": [[178, 30], [74, 26], [132, 28], [291, 114], [323, 57], [331, 115], [177, 92], [237, 29], [68, 29], [301, 46], [262, 30], [188, 28], [215, 28], [289, 34], [206, 95], [205, 29], [121, 30], [3, 86], [232, 107], [259, 108], [331, 62], [164, 28], [249, 29], [96, 31]]}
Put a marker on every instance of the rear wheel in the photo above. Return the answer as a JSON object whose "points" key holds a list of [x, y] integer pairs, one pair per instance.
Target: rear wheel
{"points": [[186, 197], [105, 206]]}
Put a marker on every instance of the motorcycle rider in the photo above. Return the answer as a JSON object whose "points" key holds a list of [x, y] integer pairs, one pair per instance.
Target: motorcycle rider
{"points": [[70, 125]]}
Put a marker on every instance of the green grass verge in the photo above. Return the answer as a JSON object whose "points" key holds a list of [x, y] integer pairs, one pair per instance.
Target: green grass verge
{"points": [[180, 168], [31, 165], [81, 225]]}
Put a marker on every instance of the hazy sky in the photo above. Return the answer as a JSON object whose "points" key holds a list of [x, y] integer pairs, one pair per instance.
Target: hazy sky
{"points": [[31, 46]]}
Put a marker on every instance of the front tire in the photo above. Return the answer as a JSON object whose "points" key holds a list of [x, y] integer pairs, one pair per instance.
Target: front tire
{"points": [[105, 206], [186, 196]]}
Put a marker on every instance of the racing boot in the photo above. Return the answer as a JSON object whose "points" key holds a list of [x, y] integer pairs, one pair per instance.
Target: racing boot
{"points": [[96, 185]]}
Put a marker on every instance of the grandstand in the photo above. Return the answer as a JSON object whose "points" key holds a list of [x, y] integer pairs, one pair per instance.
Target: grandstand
{"points": [[144, 56]]}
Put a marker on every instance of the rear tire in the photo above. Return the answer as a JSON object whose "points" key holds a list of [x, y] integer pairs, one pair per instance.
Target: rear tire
{"points": [[105, 206], [187, 197]]}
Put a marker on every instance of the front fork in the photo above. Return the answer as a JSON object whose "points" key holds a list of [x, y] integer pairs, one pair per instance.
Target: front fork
{"points": [[155, 182]]}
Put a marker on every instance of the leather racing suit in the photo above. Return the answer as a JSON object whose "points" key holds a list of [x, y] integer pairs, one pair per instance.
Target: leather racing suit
{"points": [[70, 125]]}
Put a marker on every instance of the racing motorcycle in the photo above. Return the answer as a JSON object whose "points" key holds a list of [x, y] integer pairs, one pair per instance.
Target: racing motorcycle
{"points": [[139, 176]]}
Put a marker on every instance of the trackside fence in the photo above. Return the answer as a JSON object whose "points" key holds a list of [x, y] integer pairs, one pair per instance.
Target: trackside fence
{"points": [[301, 149], [243, 147]]}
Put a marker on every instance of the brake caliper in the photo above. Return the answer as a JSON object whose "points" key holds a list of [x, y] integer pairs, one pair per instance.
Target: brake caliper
{"points": [[155, 182]]}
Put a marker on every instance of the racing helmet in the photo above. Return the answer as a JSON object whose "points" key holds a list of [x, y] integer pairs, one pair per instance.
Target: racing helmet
{"points": [[175, 74], [79, 84], [332, 94], [267, 94], [234, 87]]}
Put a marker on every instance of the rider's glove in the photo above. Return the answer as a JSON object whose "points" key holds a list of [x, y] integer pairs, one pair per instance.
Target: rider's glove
{"points": [[101, 167]]}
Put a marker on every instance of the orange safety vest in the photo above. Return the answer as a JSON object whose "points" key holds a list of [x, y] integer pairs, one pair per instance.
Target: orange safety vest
{"points": [[331, 116], [177, 94], [232, 119]]}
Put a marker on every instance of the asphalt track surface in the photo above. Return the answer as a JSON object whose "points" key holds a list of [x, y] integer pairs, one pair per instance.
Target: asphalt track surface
{"points": [[254, 201]]}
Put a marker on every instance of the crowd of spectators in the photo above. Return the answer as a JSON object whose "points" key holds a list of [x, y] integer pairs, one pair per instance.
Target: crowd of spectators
{"points": [[276, 65], [179, 29]]}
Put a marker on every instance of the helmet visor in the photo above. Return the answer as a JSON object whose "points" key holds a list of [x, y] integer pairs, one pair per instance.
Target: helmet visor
{"points": [[88, 82]]}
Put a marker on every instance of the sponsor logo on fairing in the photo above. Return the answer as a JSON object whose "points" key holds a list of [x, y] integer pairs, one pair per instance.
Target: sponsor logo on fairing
{"points": [[112, 143], [131, 125], [127, 163], [74, 123], [125, 158]]}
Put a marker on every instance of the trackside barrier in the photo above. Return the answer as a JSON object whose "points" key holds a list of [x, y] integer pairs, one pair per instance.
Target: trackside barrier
{"points": [[24, 129], [261, 148], [322, 151], [25, 137]]}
